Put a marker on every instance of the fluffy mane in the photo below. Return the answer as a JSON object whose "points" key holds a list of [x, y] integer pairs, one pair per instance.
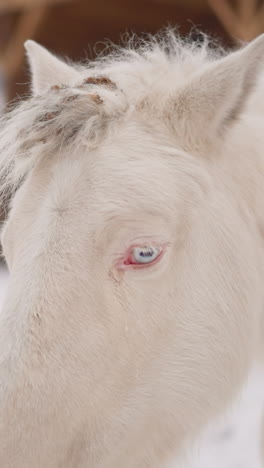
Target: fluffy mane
{"points": [[109, 87]]}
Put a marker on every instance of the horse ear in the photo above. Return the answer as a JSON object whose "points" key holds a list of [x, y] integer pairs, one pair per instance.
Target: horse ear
{"points": [[47, 70], [216, 95]]}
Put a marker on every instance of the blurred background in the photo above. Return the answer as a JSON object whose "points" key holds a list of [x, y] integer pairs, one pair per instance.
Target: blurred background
{"points": [[77, 28]]}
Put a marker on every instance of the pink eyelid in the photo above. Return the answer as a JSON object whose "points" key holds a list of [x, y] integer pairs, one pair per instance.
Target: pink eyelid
{"points": [[121, 265]]}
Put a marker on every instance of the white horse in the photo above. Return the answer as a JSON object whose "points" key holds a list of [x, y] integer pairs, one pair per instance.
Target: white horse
{"points": [[135, 244]]}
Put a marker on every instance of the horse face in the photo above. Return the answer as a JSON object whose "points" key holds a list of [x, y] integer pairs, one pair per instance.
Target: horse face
{"points": [[130, 288]]}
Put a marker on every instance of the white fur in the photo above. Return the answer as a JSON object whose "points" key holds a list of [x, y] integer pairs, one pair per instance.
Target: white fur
{"points": [[109, 368]]}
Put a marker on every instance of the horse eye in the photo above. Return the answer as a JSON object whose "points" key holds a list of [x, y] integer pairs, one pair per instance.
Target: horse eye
{"points": [[145, 254]]}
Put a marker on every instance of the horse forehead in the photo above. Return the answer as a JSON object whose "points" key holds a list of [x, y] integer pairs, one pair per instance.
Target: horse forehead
{"points": [[132, 164], [111, 171], [76, 185]]}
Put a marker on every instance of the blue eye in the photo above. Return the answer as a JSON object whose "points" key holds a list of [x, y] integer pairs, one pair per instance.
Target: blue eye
{"points": [[145, 254]]}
